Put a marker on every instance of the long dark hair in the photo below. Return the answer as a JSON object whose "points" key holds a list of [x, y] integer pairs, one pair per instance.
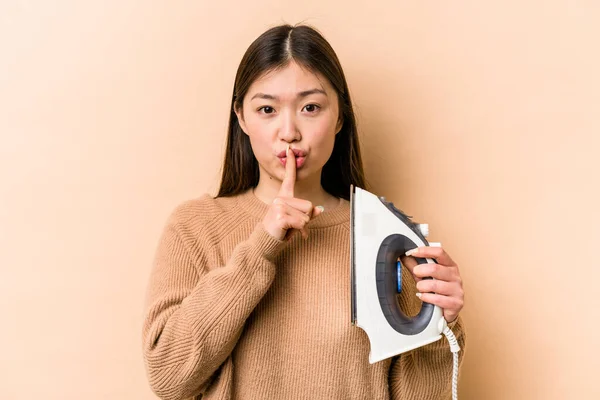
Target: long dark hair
{"points": [[272, 50]]}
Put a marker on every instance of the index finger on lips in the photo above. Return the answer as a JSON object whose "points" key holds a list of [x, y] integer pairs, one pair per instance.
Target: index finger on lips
{"points": [[287, 185]]}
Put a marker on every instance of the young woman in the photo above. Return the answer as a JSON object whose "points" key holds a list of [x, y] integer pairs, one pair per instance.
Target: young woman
{"points": [[249, 296]]}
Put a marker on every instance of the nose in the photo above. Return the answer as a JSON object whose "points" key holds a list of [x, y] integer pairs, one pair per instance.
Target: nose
{"points": [[288, 129]]}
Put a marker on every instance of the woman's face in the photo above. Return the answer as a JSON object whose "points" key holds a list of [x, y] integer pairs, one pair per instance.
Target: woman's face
{"points": [[291, 106]]}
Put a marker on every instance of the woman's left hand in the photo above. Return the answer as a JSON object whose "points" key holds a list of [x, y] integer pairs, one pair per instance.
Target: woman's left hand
{"points": [[446, 286]]}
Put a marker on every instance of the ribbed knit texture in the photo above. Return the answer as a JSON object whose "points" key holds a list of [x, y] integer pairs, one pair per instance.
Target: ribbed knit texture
{"points": [[234, 313]]}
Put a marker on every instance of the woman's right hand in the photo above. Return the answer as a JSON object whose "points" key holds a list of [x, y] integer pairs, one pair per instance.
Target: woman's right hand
{"points": [[287, 213]]}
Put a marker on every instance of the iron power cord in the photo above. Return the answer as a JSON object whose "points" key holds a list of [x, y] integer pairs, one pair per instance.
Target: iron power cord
{"points": [[454, 348]]}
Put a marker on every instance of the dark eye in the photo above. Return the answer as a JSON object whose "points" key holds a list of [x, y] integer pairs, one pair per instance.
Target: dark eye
{"points": [[311, 108], [266, 110]]}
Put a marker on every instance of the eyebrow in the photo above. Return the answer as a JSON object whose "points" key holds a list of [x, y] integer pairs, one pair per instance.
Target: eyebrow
{"points": [[300, 94]]}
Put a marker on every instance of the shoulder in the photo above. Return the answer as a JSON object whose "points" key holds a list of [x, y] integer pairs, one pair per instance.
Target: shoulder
{"points": [[207, 215], [204, 207]]}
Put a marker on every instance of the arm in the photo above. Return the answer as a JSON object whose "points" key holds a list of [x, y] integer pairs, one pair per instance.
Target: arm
{"points": [[194, 316], [426, 372]]}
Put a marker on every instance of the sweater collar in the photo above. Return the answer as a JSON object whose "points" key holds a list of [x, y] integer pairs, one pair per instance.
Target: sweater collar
{"points": [[340, 214]]}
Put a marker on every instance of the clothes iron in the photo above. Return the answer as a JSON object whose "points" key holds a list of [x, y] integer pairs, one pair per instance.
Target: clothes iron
{"points": [[380, 234]]}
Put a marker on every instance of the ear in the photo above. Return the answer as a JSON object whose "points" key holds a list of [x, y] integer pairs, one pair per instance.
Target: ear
{"points": [[240, 116], [339, 125]]}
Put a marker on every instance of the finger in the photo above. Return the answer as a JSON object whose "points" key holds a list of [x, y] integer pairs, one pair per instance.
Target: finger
{"points": [[304, 232], [302, 205], [438, 253], [285, 210], [294, 219], [410, 263], [290, 233], [437, 271], [440, 287], [448, 303], [287, 185], [318, 210]]}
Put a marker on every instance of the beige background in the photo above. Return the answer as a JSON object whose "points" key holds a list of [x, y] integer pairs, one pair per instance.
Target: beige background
{"points": [[480, 118]]}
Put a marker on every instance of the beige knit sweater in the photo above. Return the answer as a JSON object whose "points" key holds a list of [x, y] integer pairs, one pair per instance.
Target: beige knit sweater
{"points": [[234, 313]]}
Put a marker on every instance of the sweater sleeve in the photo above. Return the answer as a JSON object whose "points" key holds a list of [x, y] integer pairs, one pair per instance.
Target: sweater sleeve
{"points": [[426, 372], [195, 314]]}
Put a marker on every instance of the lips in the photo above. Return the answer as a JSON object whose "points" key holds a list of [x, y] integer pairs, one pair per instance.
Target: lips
{"points": [[299, 161], [297, 153], [300, 156]]}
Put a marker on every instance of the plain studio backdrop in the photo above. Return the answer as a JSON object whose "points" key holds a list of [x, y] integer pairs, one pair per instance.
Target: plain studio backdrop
{"points": [[479, 118]]}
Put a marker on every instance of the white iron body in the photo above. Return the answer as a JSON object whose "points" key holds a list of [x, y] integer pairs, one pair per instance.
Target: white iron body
{"points": [[373, 223]]}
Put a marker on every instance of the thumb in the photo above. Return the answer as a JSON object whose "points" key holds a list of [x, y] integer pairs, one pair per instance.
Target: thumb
{"points": [[318, 210], [410, 263]]}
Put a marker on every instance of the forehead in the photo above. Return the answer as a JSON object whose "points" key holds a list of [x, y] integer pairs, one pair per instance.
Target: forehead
{"points": [[290, 80]]}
